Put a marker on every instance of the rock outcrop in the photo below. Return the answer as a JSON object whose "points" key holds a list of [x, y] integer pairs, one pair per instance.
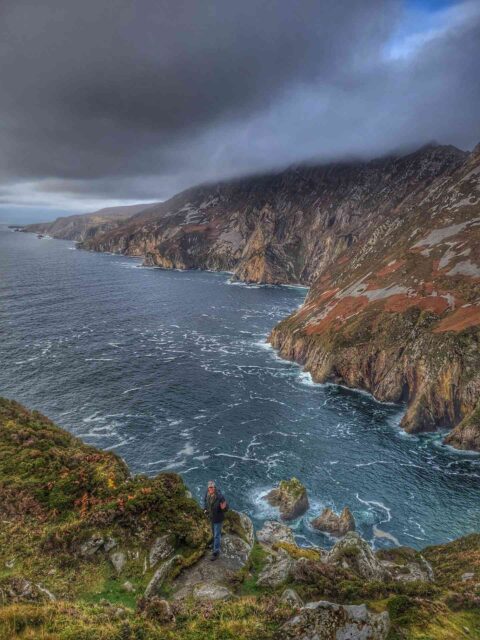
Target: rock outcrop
{"points": [[331, 522], [290, 497], [353, 553], [208, 580], [273, 532], [329, 621], [398, 314]]}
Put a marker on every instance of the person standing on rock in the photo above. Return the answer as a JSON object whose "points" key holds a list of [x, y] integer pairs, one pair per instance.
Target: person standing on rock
{"points": [[215, 507]]}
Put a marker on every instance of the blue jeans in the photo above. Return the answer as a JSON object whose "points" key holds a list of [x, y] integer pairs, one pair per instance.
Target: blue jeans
{"points": [[217, 536]]}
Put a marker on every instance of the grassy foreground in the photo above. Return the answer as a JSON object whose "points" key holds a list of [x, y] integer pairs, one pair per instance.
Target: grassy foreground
{"points": [[66, 507]]}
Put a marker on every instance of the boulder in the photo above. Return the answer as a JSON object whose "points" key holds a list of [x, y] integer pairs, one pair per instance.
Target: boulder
{"points": [[160, 575], [118, 559], [336, 525], [328, 621], [274, 532], [352, 552], [211, 591], [290, 497], [277, 571], [128, 587], [91, 546], [161, 549], [291, 597]]}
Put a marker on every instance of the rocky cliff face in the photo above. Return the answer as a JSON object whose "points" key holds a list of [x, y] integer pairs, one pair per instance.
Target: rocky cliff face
{"points": [[282, 228], [88, 225], [398, 314], [391, 250]]}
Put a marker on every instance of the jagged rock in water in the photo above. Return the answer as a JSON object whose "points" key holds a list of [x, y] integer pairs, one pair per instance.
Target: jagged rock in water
{"points": [[291, 597], [273, 532], [290, 497], [328, 621], [161, 549], [337, 525], [466, 435], [352, 552]]}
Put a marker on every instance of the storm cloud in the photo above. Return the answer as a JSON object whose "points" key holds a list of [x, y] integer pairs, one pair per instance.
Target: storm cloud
{"points": [[107, 102]]}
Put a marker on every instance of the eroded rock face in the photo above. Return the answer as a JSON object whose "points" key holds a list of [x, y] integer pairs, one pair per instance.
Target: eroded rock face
{"points": [[290, 497], [328, 621], [273, 532], [336, 525], [352, 552]]}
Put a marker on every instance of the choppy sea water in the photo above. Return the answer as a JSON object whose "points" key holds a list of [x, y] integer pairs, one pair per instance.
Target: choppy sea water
{"points": [[171, 371]]}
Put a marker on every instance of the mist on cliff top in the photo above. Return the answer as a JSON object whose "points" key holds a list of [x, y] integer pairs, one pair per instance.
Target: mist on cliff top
{"points": [[105, 104]]}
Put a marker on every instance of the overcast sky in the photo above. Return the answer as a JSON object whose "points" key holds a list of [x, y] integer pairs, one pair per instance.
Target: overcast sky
{"points": [[112, 102]]}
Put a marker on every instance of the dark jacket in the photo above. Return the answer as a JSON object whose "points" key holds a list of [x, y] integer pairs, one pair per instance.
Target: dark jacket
{"points": [[217, 514]]}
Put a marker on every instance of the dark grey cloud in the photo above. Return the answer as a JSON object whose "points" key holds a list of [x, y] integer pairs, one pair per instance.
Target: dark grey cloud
{"points": [[106, 101]]}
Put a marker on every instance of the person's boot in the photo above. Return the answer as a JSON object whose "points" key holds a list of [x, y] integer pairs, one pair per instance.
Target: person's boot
{"points": [[214, 556]]}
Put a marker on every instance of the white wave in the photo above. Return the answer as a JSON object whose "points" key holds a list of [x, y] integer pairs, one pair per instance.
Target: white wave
{"points": [[379, 505]]}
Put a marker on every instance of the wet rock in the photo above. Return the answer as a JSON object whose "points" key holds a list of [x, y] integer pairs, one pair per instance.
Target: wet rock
{"points": [[291, 597], [161, 549], [328, 621], [118, 559], [352, 552], [160, 575], [336, 525], [290, 497], [274, 532]]}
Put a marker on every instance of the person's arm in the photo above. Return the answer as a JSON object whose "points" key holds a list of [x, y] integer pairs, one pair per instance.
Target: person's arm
{"points": [[205, 502], [222, 502]]}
